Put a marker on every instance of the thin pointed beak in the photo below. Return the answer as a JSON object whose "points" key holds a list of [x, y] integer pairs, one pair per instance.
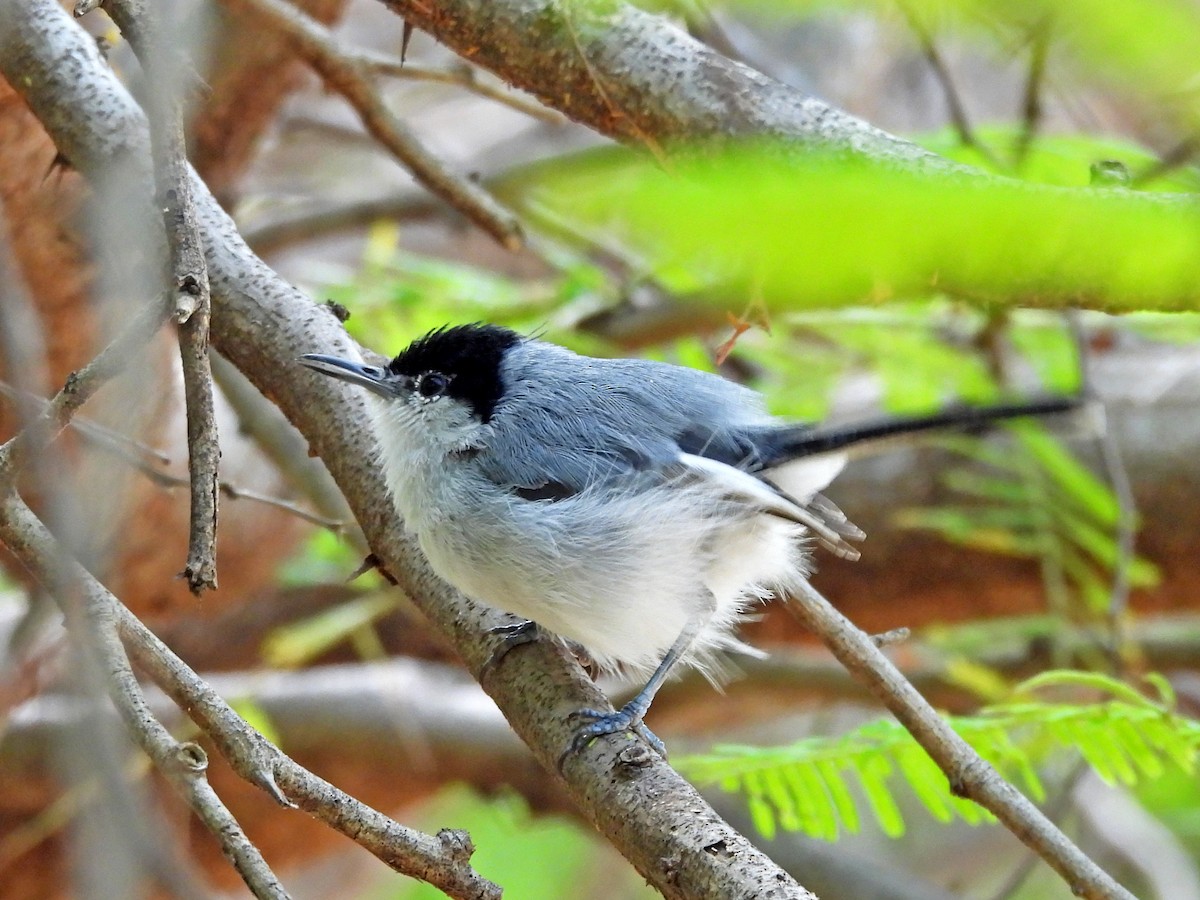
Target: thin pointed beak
{"points": [[375, 379]]}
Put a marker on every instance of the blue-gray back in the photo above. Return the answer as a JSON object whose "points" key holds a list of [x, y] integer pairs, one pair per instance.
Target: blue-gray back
{"points": [[572, 421]]}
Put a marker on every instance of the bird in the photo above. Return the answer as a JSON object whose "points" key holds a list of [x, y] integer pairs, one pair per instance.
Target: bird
{"points": [[637, 509]]}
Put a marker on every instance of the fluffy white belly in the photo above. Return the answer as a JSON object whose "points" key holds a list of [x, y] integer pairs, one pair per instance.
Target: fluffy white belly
{"points": [[600, 583]]}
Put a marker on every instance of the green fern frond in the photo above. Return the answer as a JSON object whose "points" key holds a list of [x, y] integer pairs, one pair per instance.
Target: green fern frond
{"points": [[821, 786], [1038, 503]]}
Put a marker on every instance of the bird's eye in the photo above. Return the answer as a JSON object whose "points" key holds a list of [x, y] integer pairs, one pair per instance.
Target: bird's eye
{"points": [[432, 384]]}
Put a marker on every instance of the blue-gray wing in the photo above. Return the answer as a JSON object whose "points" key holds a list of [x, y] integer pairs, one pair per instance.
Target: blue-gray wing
{"points": [[568, 422]]}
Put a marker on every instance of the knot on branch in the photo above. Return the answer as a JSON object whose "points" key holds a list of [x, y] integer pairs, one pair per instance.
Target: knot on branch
{"points": [[191, 757], [457, 844]]}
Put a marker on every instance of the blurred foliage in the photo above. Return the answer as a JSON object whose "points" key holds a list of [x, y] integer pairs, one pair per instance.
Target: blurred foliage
{"points": [[800, 231], [397, 296], [1064, 160], [1142, 46], [532, 857], [817, 785], [1036, 501], [300, 642], [325, 556]]}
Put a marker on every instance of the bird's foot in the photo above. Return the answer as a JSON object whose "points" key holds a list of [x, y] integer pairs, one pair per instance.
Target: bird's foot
{"points": [[597, 724]]}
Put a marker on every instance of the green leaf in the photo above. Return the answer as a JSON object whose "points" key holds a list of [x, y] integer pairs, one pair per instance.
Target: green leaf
{"points": [[761, 813], [928, 782], [1166, 691], [840, 794], [872, 775], [1095, 681], [804, 785], [817, 812], [256, 717], [1134, 744], [299, 642], [830, 231], [787, 803], [1069, 475]]}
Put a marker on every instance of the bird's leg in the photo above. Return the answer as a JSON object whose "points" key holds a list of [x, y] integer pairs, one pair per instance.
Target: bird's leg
{"points": [[629, 717]]}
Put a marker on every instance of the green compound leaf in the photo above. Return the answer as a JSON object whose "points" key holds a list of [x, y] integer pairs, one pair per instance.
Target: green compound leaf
{"points": [[821, 786]]}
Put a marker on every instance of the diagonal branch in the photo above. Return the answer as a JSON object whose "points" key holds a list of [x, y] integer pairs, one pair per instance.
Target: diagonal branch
{"points": [[633, 74], [440, 860], [970, 776], [93, 624], [349, 76]]}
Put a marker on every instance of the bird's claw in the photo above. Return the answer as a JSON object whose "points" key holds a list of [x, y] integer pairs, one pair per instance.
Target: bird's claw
{"points": [[597, 724]]}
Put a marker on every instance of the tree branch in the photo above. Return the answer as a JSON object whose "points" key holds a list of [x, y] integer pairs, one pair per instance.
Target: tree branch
{"points": [[970, 776], [655, 818], [441, 860], [630, 73], [183, 764]]}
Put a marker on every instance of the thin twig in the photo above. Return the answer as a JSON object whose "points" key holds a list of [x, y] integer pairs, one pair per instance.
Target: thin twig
{"points": [[166, 69], [955, 107], [350, 78], [463, 75], [233, 492], [204, 451], [126, 446], [970, 776], [80, 387], [1122, 488], [94, 624], [1031, 97], [261, 421], [146, 460]]}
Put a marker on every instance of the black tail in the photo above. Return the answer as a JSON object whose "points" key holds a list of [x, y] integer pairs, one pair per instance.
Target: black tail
{"points": [[793, 443]]}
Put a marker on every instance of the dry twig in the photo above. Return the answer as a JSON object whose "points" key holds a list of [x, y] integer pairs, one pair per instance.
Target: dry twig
{"points": [[166, 72], [81, 386], [350, 78], [970, 776]]}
